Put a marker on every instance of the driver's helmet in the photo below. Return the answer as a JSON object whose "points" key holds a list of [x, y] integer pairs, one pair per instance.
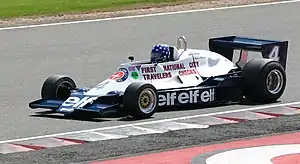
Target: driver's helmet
{"points": [[160, 53]]}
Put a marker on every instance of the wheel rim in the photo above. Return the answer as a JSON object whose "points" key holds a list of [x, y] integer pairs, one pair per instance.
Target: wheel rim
{"points": [[147, 100], [274, 81], [63, 90]]}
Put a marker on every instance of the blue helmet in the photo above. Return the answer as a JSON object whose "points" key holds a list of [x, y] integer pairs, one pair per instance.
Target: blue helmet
{"points": [[160, 53]]}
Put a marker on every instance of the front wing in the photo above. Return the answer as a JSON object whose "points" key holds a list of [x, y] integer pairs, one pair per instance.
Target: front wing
{"points": [[98, 105]]}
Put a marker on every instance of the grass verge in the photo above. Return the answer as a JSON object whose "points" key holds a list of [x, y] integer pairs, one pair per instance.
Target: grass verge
{"points": [[21, 8]]}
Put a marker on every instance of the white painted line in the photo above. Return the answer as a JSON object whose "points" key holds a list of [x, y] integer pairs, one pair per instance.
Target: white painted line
{"points": [[149, 15], [172, 125], [148, 130], [110, 136], [148, 122], [90, 137], [192, 126]]}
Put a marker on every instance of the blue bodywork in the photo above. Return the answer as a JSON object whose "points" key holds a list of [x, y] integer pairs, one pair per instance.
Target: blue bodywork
{"points": [[108, 103]]}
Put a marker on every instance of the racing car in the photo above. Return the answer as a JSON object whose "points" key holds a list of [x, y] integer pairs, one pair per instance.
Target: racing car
{"points": [[192, 77]]}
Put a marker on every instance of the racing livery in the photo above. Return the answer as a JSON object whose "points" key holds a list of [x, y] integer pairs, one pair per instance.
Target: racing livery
{"points": [[192, 77]]}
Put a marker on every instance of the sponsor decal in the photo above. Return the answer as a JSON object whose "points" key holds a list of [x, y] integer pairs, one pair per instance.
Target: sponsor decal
{"points": [[76, 102], [173, 67], [134, 75], [187, 97], [244, 56], [148, 69], [125, 76], [66, 110], [157, 76], [213, 62], [194, 53], [120, 76], [194, 64], [187, 72], [138, 67], [116, 75], [199, 57], [131, 68]]}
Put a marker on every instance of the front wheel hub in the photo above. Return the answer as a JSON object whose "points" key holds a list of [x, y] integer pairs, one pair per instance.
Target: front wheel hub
{"points": [[147, 100]]}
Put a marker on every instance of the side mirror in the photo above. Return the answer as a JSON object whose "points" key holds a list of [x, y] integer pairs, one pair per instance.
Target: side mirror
{"points": [[131, 58]]}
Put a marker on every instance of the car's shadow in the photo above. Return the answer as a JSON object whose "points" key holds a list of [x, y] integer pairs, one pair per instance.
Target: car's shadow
{"points": [[53, 115], [116, 117], [244, 102]]}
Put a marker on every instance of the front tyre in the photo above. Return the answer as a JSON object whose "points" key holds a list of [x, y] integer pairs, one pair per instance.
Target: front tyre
{"points": [[57, 87], [264, 80], [140, 100]]}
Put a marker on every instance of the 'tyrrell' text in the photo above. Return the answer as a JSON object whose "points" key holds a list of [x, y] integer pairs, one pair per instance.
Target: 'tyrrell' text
{"points": [[186, 97]]}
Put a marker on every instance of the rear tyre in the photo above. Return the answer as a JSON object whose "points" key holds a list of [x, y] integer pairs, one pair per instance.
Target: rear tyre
{"points": [[140, 100], [264, 80], [57, 87]]}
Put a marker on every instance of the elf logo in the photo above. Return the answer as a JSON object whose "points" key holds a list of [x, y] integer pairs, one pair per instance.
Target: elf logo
{"points": [[77, 102], [186, 97]]}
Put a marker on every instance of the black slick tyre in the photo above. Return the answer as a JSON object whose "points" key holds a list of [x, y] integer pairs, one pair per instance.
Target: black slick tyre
{"points": [[57, 87], [140, 100], [264, 80]]}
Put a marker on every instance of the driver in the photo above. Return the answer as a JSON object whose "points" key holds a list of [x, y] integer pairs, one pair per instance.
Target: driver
{"points": [[160, 53]]}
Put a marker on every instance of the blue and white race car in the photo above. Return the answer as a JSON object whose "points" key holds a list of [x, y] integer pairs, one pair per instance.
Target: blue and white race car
{"points": [[189, 78]]}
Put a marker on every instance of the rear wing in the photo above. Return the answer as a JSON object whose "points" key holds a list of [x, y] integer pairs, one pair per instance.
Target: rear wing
{"points": [[271, 49]]}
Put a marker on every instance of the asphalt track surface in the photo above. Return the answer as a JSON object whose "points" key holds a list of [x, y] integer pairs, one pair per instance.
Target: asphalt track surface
{"points": [[139, 145], [89, 52]]}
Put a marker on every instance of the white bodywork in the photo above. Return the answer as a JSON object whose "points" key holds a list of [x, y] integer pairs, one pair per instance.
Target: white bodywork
{"points": [[188, 69]]}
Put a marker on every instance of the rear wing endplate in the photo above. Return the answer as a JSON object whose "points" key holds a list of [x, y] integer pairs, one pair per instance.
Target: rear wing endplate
{"points": [[270, 49]]}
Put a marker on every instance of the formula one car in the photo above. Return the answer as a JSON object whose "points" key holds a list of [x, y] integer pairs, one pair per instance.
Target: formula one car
{"points": [[192, 77]]}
